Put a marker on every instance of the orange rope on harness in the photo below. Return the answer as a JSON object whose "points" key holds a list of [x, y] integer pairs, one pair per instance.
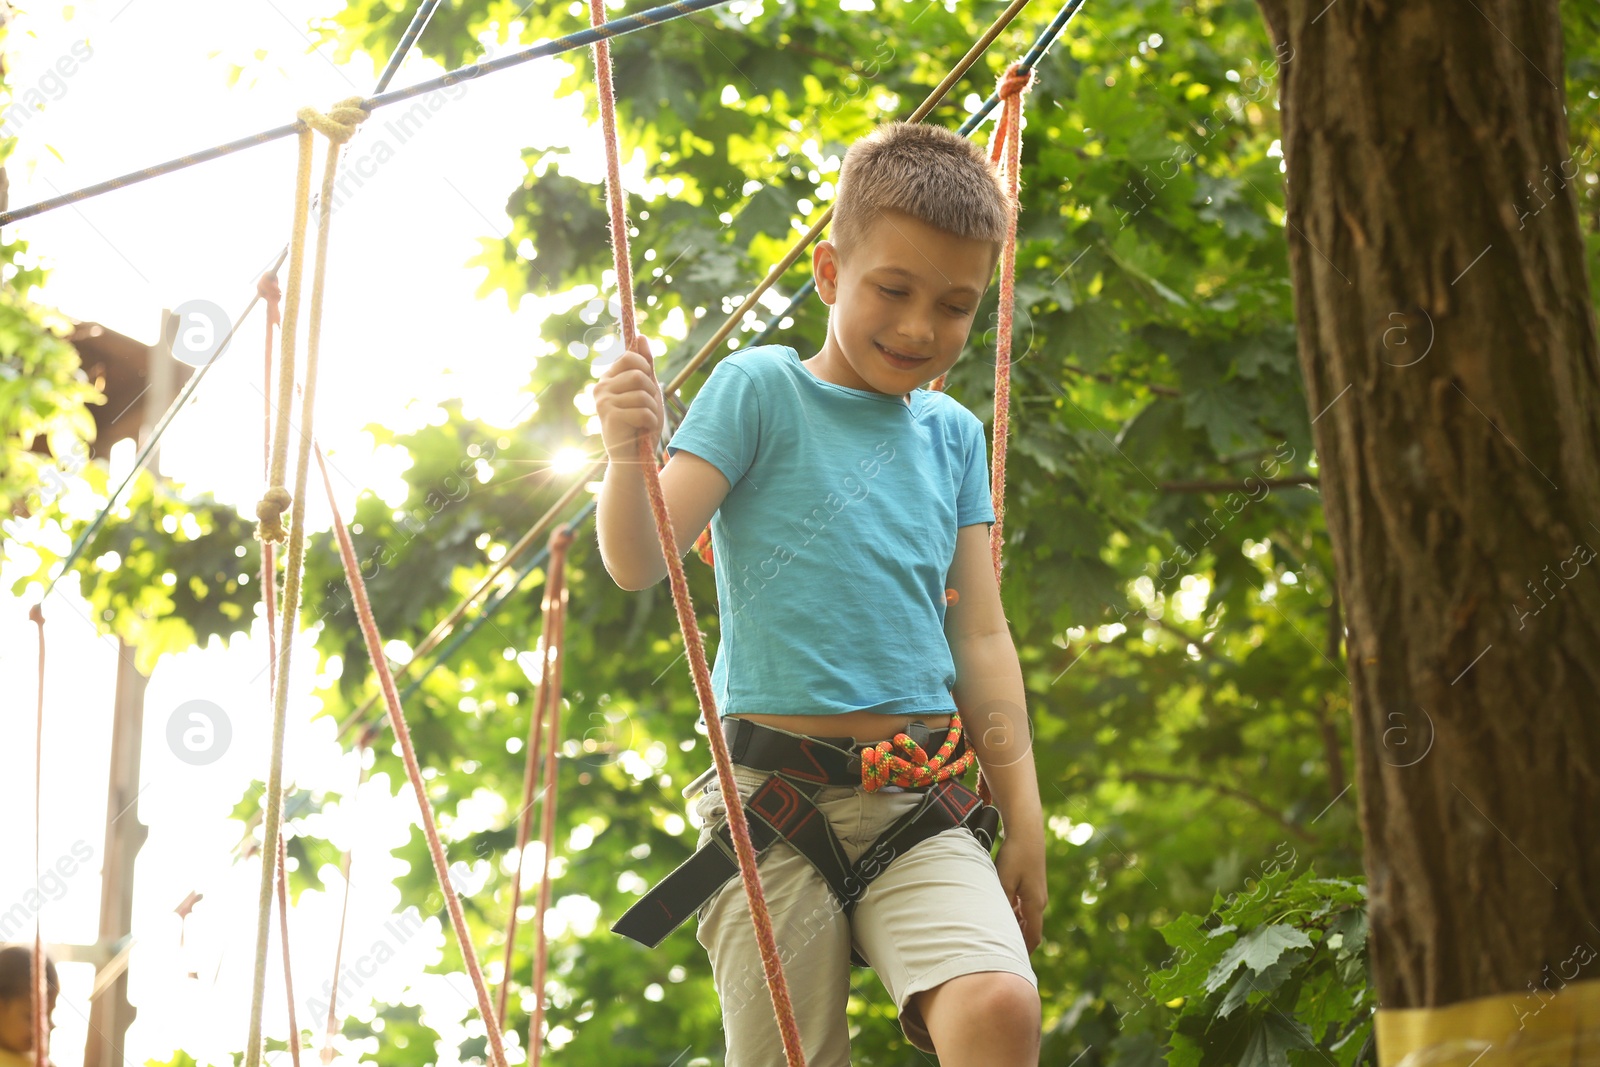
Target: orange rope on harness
{"points": [[738, 826], [881, 765]]}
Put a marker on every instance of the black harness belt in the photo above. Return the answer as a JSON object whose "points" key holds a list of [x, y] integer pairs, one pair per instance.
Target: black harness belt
{"points": [[782, 807]]}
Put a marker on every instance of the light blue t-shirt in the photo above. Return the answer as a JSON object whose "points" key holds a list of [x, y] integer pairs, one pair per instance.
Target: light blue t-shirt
{"points": [[833, 547]]}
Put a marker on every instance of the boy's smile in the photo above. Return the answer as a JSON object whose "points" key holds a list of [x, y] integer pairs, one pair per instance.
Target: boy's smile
{"points": [[903, 303]]}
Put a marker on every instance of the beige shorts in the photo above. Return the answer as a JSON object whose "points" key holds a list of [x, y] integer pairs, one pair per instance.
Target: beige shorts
{"points": [[937, 912]]}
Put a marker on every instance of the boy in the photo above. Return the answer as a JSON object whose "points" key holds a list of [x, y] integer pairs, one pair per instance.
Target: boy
{"points": [[16, 1004], [850, 515]]}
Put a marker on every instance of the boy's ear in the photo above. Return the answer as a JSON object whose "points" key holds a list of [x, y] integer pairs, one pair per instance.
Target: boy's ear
{"points": [[825, 269]]}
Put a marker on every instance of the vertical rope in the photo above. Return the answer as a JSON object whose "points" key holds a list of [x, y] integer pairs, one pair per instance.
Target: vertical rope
{"points": [[283, 929], [41, 1004], [547, 803], [560, 539], [332, 1028], [337, 126], [1013, 84], [402, 733], [777, 985]]}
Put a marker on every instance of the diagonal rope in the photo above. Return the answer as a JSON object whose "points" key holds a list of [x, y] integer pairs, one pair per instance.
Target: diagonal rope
{"points": [[430, 829], [337, 126]]}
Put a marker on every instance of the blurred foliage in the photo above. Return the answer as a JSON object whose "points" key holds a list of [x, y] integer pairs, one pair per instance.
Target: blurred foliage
{"points": [[1168, 575]]}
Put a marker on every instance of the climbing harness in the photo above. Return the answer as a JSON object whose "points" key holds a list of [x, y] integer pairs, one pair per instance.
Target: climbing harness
{"points": [[783, 806]]}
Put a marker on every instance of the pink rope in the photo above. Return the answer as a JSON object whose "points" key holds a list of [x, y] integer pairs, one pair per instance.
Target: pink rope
{"points": [[41, 1003], [737, 824], [402, 733], [547, 834]]}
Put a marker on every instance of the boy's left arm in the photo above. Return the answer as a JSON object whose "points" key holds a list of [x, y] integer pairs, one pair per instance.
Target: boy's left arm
{"points": [[989, 692]]}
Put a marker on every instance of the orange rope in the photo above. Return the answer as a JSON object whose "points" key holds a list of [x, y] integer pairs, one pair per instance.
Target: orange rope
{"points": [[41, 1006], [549, 645], [1005, 149], [766, 940], [402, 733], [558, 596]]}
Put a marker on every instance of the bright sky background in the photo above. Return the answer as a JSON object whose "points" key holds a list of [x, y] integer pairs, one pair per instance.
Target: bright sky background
{"points": [[401, 323]]}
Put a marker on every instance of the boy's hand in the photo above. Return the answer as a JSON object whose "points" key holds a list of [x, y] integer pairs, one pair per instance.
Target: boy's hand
{"points": [[1020, 865], [627, 399]]}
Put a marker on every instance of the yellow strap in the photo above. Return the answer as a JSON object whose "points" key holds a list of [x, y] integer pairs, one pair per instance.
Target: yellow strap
{"points": [[1557, 1026]]}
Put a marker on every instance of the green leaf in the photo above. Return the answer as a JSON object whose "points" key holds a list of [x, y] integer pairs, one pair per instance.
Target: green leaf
{"points": [[1271, 1036], [1258, 950]]}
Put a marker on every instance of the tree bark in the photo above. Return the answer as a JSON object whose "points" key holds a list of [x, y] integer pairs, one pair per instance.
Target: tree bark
{"points": [[1448, 348]]}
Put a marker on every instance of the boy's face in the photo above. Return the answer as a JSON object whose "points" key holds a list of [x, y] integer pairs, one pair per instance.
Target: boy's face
{"points": [[907, 290]]}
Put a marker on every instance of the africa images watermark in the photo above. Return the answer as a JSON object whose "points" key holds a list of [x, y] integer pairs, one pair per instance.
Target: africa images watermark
{"points": [[30, 102], [743, 588], [1251, 91]]}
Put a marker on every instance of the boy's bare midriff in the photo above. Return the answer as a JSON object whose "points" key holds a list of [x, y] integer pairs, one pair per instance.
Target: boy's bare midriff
{"points": [[861, 725]]}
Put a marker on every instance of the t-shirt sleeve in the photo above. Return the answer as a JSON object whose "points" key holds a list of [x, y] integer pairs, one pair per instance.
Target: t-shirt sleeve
{"points": [[974, 503], [723, 423]]}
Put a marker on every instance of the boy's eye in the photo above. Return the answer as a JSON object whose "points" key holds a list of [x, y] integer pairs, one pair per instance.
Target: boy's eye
{"points": [[959, 311], [886, 291]]}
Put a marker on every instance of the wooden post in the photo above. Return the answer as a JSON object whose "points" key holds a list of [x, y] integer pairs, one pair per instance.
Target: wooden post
{"points": [[110, 1015]]}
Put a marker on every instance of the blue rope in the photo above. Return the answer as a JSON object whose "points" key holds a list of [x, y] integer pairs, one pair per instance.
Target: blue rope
{"points": [[615, 28], [1030, 59]]}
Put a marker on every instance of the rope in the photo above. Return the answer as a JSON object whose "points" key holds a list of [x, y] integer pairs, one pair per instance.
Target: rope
{"points": [[554, 603], [1007, 138], [654, 16], [881, 766], [332, 1029], [765, 938], [337, 127], [267, 289], [547, 835], [41, 1007], [283, 929], [380, 663]]}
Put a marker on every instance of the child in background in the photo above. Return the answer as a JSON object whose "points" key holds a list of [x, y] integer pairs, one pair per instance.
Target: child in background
{"points": [[850, 512], [16, 1004]]}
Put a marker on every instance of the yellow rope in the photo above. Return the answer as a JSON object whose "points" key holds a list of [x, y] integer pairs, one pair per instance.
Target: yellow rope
{"points": [[337, 125]]}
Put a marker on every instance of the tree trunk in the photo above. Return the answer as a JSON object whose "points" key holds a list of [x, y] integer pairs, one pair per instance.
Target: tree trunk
{"points": [[1448, 347]]}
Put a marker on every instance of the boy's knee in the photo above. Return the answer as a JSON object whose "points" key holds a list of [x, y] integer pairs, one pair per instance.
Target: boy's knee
{"points": [[999, 1001]]}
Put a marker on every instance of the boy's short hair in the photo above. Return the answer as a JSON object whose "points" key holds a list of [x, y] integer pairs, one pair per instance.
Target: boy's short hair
{"points": [[16, 973], [927, 172]]}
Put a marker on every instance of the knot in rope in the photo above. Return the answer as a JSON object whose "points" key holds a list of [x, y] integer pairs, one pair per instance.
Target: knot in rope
{"points": [[267, 288], [1014, 82], [561, 538], [881, 765], [339, 123], [269, 513], [36, 614]]}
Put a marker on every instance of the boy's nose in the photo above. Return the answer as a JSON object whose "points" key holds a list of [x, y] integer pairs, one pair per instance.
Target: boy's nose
{"points": [[916, 330]]}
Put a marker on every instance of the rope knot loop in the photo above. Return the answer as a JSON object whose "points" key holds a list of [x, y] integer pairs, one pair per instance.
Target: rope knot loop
{"points": [[1014, 82], [267, 288], [881, 765], [339, 123], [269, 515]]}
